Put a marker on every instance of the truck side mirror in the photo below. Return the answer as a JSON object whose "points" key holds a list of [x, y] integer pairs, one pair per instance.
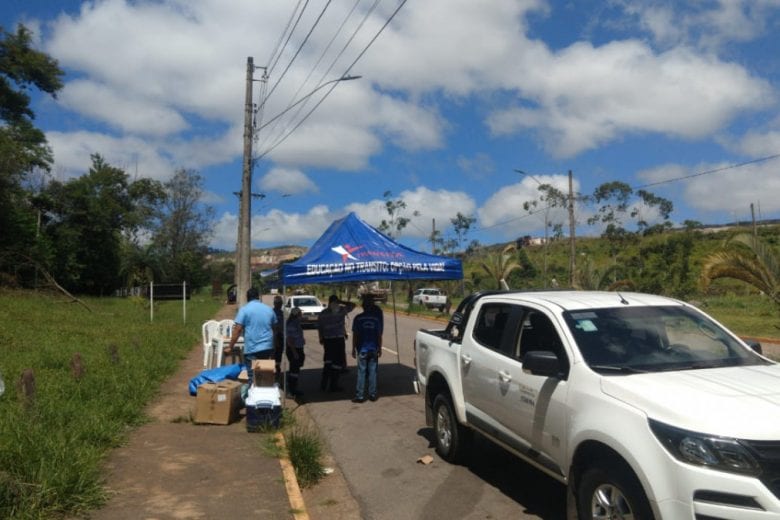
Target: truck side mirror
{"points": [[756, 346], [542, 363]]}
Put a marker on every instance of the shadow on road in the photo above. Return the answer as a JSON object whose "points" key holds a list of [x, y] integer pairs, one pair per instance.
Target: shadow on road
{"points": [[392, 380], [537, 493]]}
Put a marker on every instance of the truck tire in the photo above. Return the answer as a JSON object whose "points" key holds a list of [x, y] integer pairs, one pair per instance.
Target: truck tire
{"points": [[451, 436], [612, 491]]}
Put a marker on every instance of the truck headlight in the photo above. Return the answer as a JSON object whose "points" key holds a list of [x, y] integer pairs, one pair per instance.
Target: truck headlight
{"points": [[700, 449]]}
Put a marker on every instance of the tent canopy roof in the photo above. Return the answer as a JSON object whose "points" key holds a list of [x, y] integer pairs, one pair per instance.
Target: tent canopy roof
{"points": [[350, 250]]}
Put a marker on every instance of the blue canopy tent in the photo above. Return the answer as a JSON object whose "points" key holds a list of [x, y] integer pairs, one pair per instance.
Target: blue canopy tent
{"points": [[351, 250]]}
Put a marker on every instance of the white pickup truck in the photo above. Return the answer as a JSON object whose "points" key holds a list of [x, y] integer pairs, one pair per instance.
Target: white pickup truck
{"points": [[431, 298], [645, 407]]}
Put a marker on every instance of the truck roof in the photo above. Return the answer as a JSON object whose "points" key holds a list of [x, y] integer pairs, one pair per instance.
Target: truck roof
{"points": [[576, 300]]}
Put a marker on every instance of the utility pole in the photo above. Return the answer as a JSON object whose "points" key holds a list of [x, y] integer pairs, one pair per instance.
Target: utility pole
{"points": [[572, 249], [433, 237], [753, 218], [244, 249]]}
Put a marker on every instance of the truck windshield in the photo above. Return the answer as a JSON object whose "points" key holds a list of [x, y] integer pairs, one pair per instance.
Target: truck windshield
{"points": [[629, 340]]}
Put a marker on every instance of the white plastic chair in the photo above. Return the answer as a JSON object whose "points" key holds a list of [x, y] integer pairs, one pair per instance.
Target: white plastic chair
{"points": [[225, 330], [210, 330]]}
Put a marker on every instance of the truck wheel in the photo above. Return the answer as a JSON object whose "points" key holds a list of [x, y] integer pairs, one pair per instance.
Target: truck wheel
{"points": [[451, 436], [612, 491]]}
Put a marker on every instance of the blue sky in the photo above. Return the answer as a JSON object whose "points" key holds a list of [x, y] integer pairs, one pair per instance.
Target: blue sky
{"points": [[454, 96]]}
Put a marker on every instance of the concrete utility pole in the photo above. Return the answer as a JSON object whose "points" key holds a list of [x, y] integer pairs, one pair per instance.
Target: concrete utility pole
{"points": [[572, 249], [244, 249]]}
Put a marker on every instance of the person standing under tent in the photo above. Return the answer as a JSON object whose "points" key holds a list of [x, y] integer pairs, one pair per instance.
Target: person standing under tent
{"points": [[332, 334], [278, 337], [367, 328], [295, 354], [256, 322]]}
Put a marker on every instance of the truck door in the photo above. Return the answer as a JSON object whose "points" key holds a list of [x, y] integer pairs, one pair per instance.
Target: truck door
{"points": [[536, 406], [484, 358]]}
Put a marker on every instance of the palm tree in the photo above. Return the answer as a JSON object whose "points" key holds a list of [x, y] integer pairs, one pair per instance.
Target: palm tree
{"points": [[747, 259], [590, 279], [499, 266]]}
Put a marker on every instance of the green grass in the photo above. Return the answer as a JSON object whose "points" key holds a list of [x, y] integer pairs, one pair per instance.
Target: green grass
{"points": [[305, 449], [746, 315], [52, 446]]}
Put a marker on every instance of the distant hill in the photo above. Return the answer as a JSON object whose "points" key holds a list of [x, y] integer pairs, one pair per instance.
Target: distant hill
{"points": [[265, 258]]}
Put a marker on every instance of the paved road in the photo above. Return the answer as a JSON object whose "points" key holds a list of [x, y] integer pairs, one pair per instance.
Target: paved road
{"points": [[377, 446]]}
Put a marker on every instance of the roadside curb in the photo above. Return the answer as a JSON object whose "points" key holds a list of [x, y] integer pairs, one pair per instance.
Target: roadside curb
{"points": [[297, 505]]}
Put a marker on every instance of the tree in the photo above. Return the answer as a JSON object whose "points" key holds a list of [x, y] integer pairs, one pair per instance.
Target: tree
{"points": [[499, 266], [87, 219], [184, 230], [748, 259], [462, 225], [550, 197], [23, 147], [395, 221]]}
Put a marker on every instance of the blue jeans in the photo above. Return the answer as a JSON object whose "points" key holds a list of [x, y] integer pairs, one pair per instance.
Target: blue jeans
{"points": [[366, 361]]}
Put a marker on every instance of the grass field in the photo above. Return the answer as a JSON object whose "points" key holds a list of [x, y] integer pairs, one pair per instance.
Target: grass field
{"points": [[52, 443]]}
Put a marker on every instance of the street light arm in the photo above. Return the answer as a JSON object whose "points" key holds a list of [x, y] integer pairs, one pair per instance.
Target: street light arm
{"points": [[304, 98]]}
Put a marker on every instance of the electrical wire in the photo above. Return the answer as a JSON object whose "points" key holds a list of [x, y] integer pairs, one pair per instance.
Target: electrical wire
{"points": [[346, 72], [297, 52], [321, 81], [273, 61]]}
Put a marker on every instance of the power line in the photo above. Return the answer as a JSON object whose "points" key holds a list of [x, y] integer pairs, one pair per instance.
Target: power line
{"points": [[321, 81], [297, 52], [273, 61], [708, 172], [346, 72]]}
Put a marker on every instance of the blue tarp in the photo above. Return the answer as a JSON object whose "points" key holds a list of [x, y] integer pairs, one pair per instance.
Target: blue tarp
{"points": [[214, 375], [352, 251]]}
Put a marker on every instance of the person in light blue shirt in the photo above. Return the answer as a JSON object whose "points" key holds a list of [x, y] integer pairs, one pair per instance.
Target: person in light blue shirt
{"points": [[367, 328], [256, 321]]}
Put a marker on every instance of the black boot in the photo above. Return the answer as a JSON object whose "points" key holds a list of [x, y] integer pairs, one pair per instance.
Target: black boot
{"points": [[292, 386], [334, 380], [325, 377]]}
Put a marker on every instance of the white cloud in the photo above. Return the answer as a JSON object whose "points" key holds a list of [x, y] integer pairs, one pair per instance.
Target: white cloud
{"points": [[478, 167], [708, 25], [285, 180], [577, 110], [177, 73], [137, 116], [757, 144], [504, 209], [720, 187], [134, 155], [441, 205]]}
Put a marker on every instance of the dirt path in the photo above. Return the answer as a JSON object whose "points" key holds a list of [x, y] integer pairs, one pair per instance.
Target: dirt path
{"points": [[171, 468]]}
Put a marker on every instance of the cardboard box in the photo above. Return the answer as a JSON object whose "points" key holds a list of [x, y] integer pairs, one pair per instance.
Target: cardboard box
{"points": [[264, 372], [243, 377], [218, 403]]}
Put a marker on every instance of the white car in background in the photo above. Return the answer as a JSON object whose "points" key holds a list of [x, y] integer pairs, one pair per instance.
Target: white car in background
{"points": [[310, 307]]}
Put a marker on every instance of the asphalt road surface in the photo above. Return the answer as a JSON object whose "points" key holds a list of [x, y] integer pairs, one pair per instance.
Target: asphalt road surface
{"points": [[377, 446]]}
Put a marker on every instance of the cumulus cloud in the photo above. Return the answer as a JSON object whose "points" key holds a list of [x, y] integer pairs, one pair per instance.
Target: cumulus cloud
{"points": [[135, 156], [576, 109], [504, 209], [132, 115], [480, 166], [288, 181], [709, 25], [423, 205], [720, 187]]}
